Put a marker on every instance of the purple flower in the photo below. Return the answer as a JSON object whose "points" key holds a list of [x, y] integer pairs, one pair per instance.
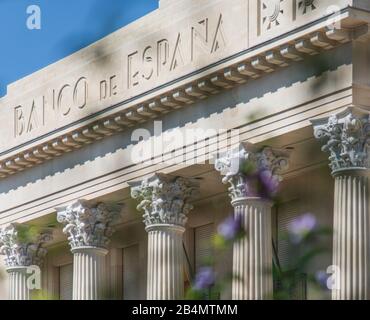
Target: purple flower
{"points": [[269, 183], [301, 226], [322, 278], [230, 228], [262, 183], [205, 278]]}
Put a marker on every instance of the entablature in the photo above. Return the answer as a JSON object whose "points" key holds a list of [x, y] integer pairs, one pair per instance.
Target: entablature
{"points": [[159, 65]]}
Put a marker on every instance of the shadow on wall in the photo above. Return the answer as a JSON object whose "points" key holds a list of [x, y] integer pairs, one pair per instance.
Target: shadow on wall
{"points": [[296, 73]]}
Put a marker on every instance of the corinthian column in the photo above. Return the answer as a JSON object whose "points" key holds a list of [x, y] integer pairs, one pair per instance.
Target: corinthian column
{"points": [[165, 202], [253, 178], [88, 227], [346, 137], [24, 253]]}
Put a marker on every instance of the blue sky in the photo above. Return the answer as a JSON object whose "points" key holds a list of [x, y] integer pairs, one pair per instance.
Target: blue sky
{"points": [[66, 26]]}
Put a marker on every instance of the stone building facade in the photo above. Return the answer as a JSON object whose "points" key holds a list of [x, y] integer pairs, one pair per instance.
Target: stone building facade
{"points": [[154, 123]]}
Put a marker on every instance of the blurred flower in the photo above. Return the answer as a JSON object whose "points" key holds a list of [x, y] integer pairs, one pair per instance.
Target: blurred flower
{"points": [[262, 183], [205, 278], [301, 226], [231, 228], [27, 233], [269, 183], [321, 278]]}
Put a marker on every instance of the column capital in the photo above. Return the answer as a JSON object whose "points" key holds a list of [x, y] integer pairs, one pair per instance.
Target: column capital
{"points": [[165, 198], [88, 224], [247, 166], [346, 138], [23, 245]]}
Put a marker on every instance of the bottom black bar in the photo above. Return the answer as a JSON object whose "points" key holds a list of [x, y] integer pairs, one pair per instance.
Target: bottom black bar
{"points": [[186, 309]]}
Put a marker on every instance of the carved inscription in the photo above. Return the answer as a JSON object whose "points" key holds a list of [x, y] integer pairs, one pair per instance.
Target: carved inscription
{"points": [[167, 56], [72, 96], [108, 88], [205, 37], [28, 119]]}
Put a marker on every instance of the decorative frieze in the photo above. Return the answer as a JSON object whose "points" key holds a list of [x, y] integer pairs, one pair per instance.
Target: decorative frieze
{"points": [[165, 198], [23, 246], [346, 138], [88, 224], [239, 165]]}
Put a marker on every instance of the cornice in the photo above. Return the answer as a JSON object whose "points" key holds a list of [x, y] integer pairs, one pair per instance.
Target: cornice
{"points": [[246, 66]]}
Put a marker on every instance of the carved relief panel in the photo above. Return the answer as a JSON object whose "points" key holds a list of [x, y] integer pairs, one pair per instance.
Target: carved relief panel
{"points": [[271, 18], [305, 6], [272, 15]]}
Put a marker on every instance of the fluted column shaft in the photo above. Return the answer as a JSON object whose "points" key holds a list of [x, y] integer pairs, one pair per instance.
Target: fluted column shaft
{"points": [[164, 199], [165, 262], [351, 235], [345, 137], [18, 289], [253, 177], [252, 255], [89, 273]]}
